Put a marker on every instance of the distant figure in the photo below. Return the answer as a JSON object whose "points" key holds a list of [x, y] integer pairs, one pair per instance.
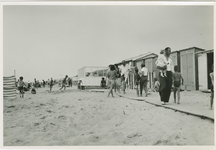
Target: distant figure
{"points": [[29, 85], [124, 75], [177, 77], [143, 79], [21, 87], [51, 84], [33, 91], [161, 62], [103, 83], [79, 84], [212, 87], [64, 82], [137, 80], [35, 83], [111, 75], [48, 82], [70, 82], [44, 83], [118, 78]]}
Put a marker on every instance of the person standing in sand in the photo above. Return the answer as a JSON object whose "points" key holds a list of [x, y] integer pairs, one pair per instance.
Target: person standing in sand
{"points": [[35, 83], [137, 80], [118, 78], [166, 82], [143, 79], [21, 87], [111, 75], [124, 75], [212, 87], [64, 82], [44, 83], [51, 84], [177, 78]]}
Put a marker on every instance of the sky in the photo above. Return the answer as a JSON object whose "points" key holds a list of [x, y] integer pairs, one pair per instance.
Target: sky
{"points": [[44, 41]]}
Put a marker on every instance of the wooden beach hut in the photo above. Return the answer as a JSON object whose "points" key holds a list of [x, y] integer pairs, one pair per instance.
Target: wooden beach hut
{"points": [[175, 55], [205, 61], [189, 67]]}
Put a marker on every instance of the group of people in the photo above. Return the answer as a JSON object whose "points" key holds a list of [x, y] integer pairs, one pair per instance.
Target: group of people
{"points": [[21, 85], [117, 78], [169, 77]]}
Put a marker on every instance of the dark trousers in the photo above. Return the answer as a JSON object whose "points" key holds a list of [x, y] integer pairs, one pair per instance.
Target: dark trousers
{"points": [[165, 87], [143, 84]]}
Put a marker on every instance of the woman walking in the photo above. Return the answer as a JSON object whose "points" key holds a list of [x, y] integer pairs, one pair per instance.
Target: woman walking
{"points": [[166, 82], [143, 79], [111, 75]]}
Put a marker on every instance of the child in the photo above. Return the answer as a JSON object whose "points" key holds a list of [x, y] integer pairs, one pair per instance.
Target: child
{"points": [[212, 87], [177, 77], [103, 83], [21, 87], [111, 75], [137, 80], [156, 85], [161, 62], [64, 82]]}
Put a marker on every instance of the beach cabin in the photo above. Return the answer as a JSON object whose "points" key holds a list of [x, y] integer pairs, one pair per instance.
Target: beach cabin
{"points": [[175, 55], [189, 67], [91, 76], [205, 61]]}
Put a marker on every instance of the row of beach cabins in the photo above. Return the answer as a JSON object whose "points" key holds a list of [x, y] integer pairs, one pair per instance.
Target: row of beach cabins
{"points": [[195, 65]]}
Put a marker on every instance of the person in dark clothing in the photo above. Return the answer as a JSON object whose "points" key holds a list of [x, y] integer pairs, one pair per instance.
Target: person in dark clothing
{"points": [[51, 84], [137, 80], [64, 82], [103, 83], [118, 78], [44, 83], [70, 82], [166, 82]]}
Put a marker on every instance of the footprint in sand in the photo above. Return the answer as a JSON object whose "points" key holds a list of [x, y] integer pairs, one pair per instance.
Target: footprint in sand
{"points": [[62, 117], [93, 138], [16, 141], [43, 117], [49, 111], [136, 134], [10, 106], [36, 124]]}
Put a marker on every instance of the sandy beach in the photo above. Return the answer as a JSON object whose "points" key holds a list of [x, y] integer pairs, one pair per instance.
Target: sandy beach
{"points": [[81, 118]]}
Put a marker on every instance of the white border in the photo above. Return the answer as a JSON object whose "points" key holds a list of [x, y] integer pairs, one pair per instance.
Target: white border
{"points": [[95, 3]]}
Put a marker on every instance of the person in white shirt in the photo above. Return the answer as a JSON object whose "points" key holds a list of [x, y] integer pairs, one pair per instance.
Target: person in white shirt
{"points": [[166, 82], [124, 75], [143, 79]]}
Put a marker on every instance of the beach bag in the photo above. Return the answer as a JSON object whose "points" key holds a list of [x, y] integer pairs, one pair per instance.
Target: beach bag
{"points": [[177, 83], [33, 91]]}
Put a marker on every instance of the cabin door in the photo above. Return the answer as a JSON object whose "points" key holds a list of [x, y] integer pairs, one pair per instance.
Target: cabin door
{"points": [[187, 63]]}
